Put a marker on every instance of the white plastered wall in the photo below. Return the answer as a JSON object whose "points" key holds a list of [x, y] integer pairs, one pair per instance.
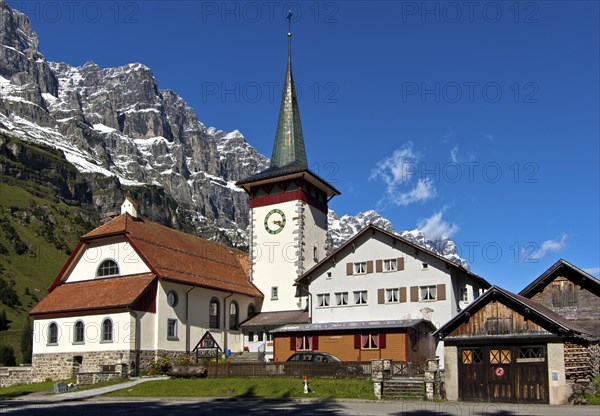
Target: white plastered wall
{"points": [[123, 334]]}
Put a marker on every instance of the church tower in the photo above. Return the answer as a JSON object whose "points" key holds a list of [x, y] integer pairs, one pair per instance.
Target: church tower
{"points": [[288, 210]]}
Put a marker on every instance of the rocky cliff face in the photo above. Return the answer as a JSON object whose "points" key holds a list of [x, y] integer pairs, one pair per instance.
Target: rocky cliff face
{"points": [[127, 136]]}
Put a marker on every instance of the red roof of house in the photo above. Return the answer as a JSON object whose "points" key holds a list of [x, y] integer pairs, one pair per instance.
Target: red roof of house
{"points": [[99, 294], [177, 256]]}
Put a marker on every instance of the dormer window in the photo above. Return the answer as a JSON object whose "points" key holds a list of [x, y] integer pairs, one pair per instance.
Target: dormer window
{"points": [[108, 268]]}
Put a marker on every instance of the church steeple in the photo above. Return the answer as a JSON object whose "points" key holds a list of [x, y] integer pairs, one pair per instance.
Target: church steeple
{"points": [[289, 143]]}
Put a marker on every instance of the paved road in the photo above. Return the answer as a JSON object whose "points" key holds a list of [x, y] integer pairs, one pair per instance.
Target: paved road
{"points": [[258, 407]]}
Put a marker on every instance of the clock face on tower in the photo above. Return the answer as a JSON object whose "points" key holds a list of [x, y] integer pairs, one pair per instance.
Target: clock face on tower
{"points": [[274, 221]]}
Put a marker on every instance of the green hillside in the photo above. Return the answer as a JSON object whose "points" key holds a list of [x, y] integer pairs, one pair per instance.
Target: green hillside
{"points": [[38, 229]]}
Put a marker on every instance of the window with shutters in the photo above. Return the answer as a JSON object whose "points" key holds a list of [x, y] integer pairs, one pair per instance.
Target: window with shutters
{"points": [[360, 267], [428, 293], [323, 300], [360, 297], [369, 342], [390, 265], [303, 343], [392, 295], [341, 298]]}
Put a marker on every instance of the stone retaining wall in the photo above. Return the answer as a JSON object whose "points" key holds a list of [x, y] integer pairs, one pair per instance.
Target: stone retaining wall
{"points": [[93, 378], [10, 376]]}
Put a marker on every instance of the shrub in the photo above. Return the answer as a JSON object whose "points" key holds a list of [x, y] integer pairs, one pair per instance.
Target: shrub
{"points": [[185, 360], [161, 366], [7, 356]]}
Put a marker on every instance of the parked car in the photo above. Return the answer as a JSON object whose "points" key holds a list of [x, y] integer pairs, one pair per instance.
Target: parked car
{"points": [[319, 364]]}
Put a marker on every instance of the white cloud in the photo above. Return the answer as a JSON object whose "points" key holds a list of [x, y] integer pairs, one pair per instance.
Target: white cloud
{"points": [[398, 168], [550, 246], [454, 154], [398, 173], [436, 227], [423, 190]]}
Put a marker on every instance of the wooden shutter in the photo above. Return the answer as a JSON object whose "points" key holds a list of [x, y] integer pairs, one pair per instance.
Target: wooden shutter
{"points": [[400, 263], [379, 266], [382, 341], [357, 341], [292, 343], [315, 342], [402, 294], [441, 292], [370, 266], [380, 296], [414, 293], [349, 269]]}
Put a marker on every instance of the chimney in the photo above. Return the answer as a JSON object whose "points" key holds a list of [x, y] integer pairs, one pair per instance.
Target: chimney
{"points": [[130, 207]]}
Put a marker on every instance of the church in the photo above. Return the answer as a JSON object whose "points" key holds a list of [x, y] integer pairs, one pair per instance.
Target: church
{"points": [[134, 290]]}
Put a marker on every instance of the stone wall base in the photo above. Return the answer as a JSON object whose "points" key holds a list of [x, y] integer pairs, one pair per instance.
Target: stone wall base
{"points": [[10, 376]]}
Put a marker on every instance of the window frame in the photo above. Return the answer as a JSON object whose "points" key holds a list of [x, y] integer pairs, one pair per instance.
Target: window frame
{"points": [[76, 332], [463, 291], [103, 331], [428, 297], [234, 318], [359, 267], [214, 319], [323, 300], [396, 292], [172, 323], [274, 292], [372, 340], [392, 265], [52, 335], [340, 300], [102, 263], [360, 300], [303, 343]]}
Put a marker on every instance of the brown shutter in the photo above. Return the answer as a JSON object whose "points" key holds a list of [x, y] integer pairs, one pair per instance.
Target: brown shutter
{"points": [[379, 266], [400, 263], [441, 292], [414, 293], [370, 266], [380, 296], [402, 294], [382, 341], [357, 341], [315, 342], [349, 269], [292, 343]]}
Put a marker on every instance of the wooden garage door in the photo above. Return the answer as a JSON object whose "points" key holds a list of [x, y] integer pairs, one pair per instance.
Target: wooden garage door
{"points": [[503, 374]]}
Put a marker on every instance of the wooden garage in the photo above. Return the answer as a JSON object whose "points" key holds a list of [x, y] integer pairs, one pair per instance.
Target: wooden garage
{"points": [[507, 348]]}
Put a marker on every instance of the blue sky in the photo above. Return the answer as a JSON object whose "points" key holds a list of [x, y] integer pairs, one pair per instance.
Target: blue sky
{"points": [[476, 120]]}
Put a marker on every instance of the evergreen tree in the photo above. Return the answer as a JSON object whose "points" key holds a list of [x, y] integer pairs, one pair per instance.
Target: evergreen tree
{"points": [[7, 356], [27, 342], [3, 320]]}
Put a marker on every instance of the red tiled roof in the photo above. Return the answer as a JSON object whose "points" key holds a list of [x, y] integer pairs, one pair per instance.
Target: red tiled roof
{"points": [[182, 257], [108, 293]]}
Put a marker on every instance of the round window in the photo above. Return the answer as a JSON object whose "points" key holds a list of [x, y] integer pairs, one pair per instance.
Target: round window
{"points": [[172, 298]]}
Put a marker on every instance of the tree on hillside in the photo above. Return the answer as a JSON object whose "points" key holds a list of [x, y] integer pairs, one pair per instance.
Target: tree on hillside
{"points": [[3, 320], [7, 356], [27, 342]]}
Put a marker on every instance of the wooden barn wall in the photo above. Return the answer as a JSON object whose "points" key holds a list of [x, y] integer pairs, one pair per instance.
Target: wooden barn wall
{"points": [[342, 346], [572, 301], [479, 324]]}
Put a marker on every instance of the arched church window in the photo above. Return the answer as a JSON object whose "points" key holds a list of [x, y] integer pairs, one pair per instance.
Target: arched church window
{"points": [[214, 313], [108, 268], [78, 332], [234, 315]]}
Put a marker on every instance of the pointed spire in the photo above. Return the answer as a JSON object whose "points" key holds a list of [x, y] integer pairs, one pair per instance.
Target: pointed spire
{"points": [[289, 142]]}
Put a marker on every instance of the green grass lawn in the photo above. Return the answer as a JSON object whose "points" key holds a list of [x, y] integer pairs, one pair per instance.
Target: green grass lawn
{"points": [[248, 387], [22, 389]]}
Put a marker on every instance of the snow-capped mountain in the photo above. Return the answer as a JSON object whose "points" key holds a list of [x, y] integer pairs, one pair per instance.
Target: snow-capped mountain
{"points": [[126, 135]]}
